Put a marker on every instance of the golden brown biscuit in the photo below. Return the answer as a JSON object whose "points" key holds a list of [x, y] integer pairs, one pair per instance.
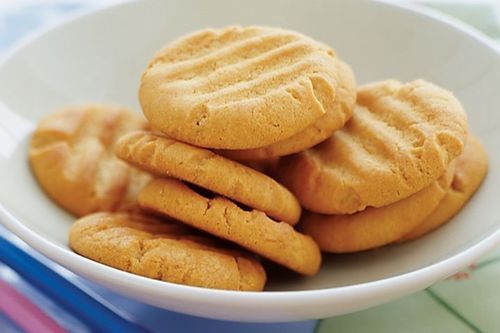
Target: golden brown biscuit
{"points": [[165, 251], [71, 155], [400, 139], [471, 168], [239, 87], [375, 227], [317, 132], [253, 230], [167, 157]]}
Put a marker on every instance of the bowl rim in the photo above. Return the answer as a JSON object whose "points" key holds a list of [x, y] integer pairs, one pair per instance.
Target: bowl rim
{"points": [[421, 277]]}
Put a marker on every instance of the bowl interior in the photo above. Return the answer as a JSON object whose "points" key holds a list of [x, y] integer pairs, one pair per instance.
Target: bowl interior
{"points": [[100, 58]]}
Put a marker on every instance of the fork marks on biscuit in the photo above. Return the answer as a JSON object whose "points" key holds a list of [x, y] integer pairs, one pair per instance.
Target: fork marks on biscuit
{"points": [[79, 143]]}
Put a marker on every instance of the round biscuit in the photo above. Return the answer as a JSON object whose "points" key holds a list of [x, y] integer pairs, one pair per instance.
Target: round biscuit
{"points": [[253, 230], [165, 251], [163, 156], [71, 155], [238, 87], [400, 139]]}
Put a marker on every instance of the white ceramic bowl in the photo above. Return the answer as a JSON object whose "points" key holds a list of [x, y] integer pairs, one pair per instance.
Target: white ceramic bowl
{"points": [[99, 57]]}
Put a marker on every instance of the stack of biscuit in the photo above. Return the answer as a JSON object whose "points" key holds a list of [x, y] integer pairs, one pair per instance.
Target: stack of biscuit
{"points": [[245, 127], [402, 166]]}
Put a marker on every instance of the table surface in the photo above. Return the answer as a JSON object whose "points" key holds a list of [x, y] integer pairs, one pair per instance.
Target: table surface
{"points": [[467, 302]]}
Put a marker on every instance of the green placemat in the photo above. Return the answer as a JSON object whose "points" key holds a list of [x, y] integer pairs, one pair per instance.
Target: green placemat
{"points": [[467, 302]]}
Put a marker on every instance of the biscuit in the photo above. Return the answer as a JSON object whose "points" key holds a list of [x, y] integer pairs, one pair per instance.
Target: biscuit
{"points": [[471, 168], [253, 230], [167, 157], [239, 87], [71, 155], [400, 139], [317, 132], [165, 251], [375, 227]]}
